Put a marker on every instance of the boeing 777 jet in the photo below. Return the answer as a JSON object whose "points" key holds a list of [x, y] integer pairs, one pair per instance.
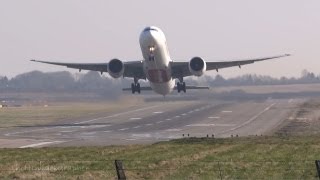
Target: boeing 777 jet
{"points": [[157, 65]]}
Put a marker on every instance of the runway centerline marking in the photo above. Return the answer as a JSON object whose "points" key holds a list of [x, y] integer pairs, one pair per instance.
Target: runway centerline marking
{"points": [[250, 120], [168, 119], [136, 127], [214, 117], [66, 131], [135, 118], [173, 130], [158, 112], [226, 111], [123, 129], [159, 122], [206, 125], [149, 124]]}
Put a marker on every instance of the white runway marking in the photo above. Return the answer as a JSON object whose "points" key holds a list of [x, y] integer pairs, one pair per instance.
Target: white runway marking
{"points": [[22, 132], [149, 124], [123, 129], [96, 126], [107, 131], [131, 139], [250, 120], [66, 131], [40, 144], [190, 112], [199, 125], [168, 119], [83, 126], [135, 118], [226, 111], [206, 125], [173, 130], [225, 125], [159, 122], [88, 133], [214, 117], [177, 116], [159, 112], [119, 114], [302, 118], [83, 122], [183, 114], [136, 127]]}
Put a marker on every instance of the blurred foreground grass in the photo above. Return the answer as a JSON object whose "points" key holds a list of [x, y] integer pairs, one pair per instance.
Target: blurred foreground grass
{"points": [[234, 158]]}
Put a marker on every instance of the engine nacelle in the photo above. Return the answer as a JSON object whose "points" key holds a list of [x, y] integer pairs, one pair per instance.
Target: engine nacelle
{"points": [[115, 68], [197, 66]]}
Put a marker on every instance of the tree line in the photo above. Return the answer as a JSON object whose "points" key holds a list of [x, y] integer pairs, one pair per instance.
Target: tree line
{"points": [[64, 81]]}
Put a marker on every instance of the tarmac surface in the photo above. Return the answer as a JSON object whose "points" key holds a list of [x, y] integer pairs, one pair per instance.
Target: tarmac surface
{"points": [[158, 120]]}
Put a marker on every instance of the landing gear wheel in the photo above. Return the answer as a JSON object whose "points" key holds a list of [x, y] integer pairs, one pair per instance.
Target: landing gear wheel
{"points": [[184, 87], [181, 86], [138, 87], [135, 87]]}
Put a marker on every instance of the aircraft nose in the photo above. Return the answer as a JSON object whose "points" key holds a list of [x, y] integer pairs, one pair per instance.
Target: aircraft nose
{"points": [[148, 35]]}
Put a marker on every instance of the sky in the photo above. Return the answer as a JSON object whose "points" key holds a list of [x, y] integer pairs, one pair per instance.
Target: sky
{"points": [[216, 30]]}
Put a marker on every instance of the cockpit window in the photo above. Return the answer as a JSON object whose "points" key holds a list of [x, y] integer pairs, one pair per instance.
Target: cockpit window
{"points": [[149, 29]]}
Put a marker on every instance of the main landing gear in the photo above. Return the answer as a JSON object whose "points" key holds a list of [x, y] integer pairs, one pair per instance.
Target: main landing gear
{"points": [[181, 85], [135, 87]]}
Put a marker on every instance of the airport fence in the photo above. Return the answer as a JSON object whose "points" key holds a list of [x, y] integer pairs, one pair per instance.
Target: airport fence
{"points": [[161, 169]]}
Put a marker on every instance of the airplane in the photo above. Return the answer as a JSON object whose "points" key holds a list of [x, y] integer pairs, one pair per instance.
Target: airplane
{"points": [[157, 65]]}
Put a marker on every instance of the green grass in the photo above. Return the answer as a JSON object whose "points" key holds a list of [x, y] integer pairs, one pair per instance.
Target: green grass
{"points": [[38, 115], [236, 158]]}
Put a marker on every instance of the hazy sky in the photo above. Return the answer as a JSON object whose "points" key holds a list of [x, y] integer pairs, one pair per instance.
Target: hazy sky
{"points": [[96, 31]]}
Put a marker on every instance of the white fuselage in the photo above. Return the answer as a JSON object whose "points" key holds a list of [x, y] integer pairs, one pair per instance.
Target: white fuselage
{"points": [[156, 56]]}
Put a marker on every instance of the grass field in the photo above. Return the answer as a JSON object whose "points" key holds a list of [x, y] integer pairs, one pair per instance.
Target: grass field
{"points": [[267, 157], [233, 158]]}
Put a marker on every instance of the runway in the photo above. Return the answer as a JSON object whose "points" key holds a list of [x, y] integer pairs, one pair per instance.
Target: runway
{"points": [[158, 121]]}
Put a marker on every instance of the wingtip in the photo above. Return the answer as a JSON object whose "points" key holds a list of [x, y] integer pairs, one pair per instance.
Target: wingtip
{"points": [[33, 60], [287, 54]]}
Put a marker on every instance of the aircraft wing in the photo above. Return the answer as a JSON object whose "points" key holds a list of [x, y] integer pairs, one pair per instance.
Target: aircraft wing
{"points": [[131, 68], [181, 69]]}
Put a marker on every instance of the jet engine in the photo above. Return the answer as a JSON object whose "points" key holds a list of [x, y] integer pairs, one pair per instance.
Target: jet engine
{"points": [[197, 66], [115, 68]]}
